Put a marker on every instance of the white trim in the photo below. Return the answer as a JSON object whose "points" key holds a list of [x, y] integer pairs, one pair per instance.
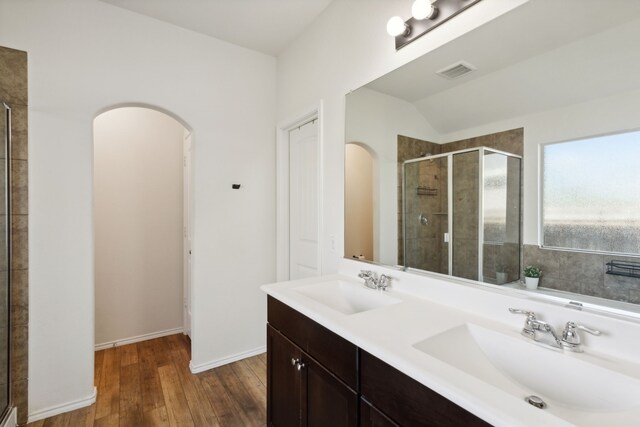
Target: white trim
{"points": [[196, 369], [282, 187], [138, 338], [12, 418], [65, 407]]}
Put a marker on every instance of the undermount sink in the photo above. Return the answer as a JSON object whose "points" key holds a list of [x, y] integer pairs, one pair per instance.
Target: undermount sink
{"points": [[346, 297], [573, 386]]}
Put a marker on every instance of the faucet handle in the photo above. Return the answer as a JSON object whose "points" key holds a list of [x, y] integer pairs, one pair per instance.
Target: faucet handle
{"points": [[530, 314], [530, 324], [365, 274], [384, 282], [584, 328], [571, 339]]}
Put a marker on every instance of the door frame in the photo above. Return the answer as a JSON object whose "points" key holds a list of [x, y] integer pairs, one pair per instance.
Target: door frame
{"points": [[187, 231], [282, 187]]}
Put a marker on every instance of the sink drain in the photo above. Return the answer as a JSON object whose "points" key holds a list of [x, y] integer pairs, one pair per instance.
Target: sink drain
{"points": [[535, 401]]}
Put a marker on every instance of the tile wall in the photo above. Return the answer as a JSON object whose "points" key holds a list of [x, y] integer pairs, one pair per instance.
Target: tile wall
{"points": [[13, 91], [583, 273]]}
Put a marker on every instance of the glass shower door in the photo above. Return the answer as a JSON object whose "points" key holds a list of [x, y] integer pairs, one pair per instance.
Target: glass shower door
{"points": [[5, 120], [466, 216], [425, 220]]}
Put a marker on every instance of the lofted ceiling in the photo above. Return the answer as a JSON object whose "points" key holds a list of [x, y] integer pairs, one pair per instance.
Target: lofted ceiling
{"points": [[542, 55], [267, 26]]}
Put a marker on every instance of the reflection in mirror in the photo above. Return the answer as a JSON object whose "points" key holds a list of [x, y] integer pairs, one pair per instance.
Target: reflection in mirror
{"points": [[465, 223], [530, 87], [359, 186]]}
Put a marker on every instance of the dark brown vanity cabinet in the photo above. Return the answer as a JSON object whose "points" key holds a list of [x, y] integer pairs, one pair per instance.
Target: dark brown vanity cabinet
{"points": [[317, 378], [406, 401], [301, 390], [370, 416]]}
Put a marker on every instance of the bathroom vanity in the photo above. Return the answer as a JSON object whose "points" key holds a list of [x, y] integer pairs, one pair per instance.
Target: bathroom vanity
{"points": [[429, 352], [318, 378]]}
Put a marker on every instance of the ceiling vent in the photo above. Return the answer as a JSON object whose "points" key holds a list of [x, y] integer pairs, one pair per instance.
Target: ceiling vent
{"points": [[456, 70]]}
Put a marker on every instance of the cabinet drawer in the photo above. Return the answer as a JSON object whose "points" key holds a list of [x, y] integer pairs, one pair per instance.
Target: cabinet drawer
{"points": [[405, 400], [334, 352]]}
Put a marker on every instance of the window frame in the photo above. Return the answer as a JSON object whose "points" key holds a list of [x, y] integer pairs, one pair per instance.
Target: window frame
{"points": [[540, 198]]}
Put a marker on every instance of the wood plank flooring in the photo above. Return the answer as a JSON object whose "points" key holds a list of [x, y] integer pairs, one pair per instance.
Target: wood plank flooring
{"points": [[149, 384]]}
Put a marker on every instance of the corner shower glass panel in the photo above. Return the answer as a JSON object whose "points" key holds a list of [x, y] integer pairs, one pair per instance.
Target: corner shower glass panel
{"points": [[501, 218], [5, 120], [461, 215]]}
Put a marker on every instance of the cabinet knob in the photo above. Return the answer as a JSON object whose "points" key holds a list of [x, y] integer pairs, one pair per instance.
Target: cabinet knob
{"points": [[300, 366], [294, 361]]}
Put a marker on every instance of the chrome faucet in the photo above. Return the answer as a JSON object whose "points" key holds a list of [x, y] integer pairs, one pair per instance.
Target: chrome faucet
{"points": [[533, 325], [570, 339], [371, 280]]}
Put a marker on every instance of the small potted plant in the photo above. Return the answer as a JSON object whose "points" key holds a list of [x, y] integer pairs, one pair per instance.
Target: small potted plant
{"points": [[532, 276]]}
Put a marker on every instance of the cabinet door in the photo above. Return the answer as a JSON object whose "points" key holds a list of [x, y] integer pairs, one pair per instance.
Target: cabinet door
{"points": [[326, 400], [371, 417], [283, 381]]}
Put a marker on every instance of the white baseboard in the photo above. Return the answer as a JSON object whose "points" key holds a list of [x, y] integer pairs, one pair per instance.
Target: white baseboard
{"points": [[196, 369], [12, 419], [65, 407], [138, 338]]}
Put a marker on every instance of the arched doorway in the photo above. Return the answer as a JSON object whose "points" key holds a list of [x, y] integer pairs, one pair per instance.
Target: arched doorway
{"points": [[360, 198], [140, 225]]}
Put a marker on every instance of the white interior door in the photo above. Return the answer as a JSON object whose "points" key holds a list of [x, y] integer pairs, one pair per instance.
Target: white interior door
{"points": [[304, 251], [187, 234]]}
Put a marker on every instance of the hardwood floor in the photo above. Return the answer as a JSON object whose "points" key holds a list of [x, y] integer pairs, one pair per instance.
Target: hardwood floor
{"points": [[149, 384]]}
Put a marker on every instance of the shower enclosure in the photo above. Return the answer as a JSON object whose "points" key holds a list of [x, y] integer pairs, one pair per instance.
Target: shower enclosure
{"points": [[461, 214], [5, 137]]}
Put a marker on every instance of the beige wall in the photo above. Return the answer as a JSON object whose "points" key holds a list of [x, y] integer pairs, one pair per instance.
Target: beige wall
{"points": [[359, 202], [138, 223]]}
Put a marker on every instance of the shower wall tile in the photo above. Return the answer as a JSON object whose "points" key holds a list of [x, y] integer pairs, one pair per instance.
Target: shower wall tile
{"points": [[3, 392], [19, 188], [19, 314], [13, 69], [546, 260], [634, 296], [20, 399], [19, 242], [583, 273], [19, 132], [410, 148], [510, 141], [13, 91], [20, 287]]}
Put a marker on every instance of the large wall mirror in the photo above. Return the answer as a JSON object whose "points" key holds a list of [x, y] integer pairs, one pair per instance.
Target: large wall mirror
{"points": [[512, 145]]}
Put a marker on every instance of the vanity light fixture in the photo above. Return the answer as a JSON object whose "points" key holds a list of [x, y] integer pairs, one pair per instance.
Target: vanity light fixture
{"points": [[426, 15], [423, 9]]}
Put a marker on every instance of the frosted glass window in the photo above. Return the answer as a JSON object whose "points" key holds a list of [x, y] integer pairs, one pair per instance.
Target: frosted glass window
{"points": [[591, 194], [495, 197]]}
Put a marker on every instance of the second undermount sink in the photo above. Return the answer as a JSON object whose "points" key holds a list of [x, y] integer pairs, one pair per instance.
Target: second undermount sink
{"points": [[346, 297], [571, 385]]}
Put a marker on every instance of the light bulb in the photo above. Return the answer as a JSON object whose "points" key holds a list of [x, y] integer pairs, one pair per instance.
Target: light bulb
{"points": [[422, 9], [396, 26]]}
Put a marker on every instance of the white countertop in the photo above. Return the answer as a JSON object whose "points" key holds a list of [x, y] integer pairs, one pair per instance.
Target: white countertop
{"points": [[389, 333]]}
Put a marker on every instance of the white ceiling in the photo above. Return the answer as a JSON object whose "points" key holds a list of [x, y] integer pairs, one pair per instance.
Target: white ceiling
{"points": [[267, 26], [542, 55]]}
